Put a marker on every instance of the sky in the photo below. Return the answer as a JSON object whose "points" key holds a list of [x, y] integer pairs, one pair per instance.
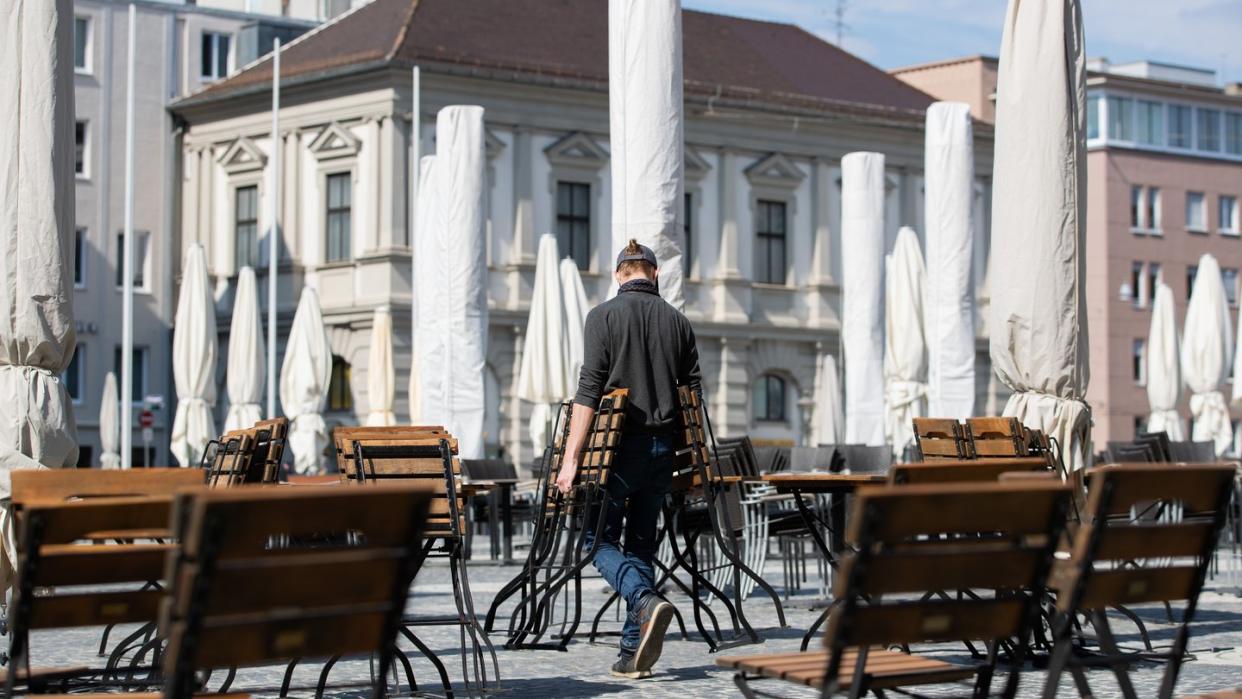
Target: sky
{"points": [[895, 33]]}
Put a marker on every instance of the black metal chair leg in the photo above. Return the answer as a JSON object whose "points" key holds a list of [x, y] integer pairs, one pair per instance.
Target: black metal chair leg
{"points": [[284, 684], [433, 658]]}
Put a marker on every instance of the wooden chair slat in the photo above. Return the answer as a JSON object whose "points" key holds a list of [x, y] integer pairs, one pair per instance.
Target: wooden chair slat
{"points": [[97, 565], [933, 621], [94, 609], [64, 484], [1012, 508], [1001, 568], [1110, 588], [1194, 485], [66, 522], [251, 642], [1147, 541]]}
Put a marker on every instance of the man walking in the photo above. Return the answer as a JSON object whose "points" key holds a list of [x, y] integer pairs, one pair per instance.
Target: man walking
{"points": [[639, 342]]}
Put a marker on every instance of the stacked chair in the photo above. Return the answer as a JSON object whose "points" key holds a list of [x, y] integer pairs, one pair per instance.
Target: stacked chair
{"points": [[250, 455]]}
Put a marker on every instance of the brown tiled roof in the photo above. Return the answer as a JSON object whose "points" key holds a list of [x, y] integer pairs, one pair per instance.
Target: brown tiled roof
{"points": [[568, 39]]}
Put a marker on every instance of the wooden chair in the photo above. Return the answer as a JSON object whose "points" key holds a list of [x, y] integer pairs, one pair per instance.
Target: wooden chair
{"points": [[922, 539], [60, 485], [249, 455], [1103, 570], [974, 471], [384, 456], [367, 543], [941, 439], [997, 437]]}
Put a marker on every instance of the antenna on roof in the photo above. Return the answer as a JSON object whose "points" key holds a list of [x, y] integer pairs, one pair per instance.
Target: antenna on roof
{"points": [[838, 22]]}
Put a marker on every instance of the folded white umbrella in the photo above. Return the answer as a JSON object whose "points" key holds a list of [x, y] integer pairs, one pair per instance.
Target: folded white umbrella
{"points": [[247, 363], [109, 416], [37, 428], [949, 309], [451, 282], [1207, 345], [828, 426], [422, 210], [381, 374], [905, 351], [1164, 376], [1038, 320], [542, 376], [576, 309], [862, 328], [194, 361], [645, 130], [304, 377]]}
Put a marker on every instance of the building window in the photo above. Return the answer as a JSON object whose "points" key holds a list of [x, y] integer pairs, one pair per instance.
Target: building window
{"points": [[1150, 125], [1153, 209], [1179, 126], [82, 44], [339, 395], [687, 229], [140, 259], [338, 220], [215, 56], [246, 226], [139, 379], [1196, 217], [1093, 116], [79, 148], [1192, 271], [1140, 425], [1227, 209], [1137, 278], [1153, 278], [1229, 277], [1208, 129], [1120, 119], [770, 267], [74, 378], [1136, 207], [1233, 133], [769, 397], [1138, 362], [573, 222], [79, 258], [1144, 208]]}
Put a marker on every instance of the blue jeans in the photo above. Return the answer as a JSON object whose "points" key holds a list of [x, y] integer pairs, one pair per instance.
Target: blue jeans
{"points": [[637, 484]]}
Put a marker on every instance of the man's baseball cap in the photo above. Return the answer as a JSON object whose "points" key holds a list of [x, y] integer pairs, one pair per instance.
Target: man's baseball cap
{"points": [[644, 254]]}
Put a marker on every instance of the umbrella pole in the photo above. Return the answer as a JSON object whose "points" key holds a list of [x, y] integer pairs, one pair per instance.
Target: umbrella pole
{"points": [[127, 260], [272, 248]]}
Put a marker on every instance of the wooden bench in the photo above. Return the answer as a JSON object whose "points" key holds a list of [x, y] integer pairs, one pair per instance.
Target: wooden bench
{"points": [[240, 598], [975, 471], [1118, 559], [914, 540]]}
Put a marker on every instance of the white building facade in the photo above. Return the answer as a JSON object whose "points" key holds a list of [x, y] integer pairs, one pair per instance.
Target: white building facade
{"points": [[763, 211]]}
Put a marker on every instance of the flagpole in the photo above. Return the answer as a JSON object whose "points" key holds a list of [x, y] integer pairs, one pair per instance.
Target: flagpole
{"points": [[127, 260], [273, 250]]}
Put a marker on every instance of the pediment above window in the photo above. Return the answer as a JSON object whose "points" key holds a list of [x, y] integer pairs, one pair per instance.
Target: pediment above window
{"points": [[335, 141], [242, 155], [775, 170], [695, 166], [577, 150]]}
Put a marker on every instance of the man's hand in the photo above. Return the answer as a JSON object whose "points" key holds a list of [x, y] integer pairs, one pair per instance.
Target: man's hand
{"points": [[565, 479]]}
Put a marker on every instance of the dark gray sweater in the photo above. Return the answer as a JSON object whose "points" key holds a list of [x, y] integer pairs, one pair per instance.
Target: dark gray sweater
{"points": [[638, 341]]}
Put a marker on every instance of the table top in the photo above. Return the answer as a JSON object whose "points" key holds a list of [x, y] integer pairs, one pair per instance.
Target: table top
{"points": [[822, 482]]}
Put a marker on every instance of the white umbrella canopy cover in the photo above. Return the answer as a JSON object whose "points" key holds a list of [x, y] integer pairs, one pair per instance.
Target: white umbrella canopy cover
{"points": [[949, 309], [828, 426], [576, 309], [381, 374], [247, 362], [451, 280], [109, 417], [862, 331], [194, 361], [304, 377], [422, 210], [646, 130], [1038, 321], [905, 351], [1207, 345], [1164, 376], [542, 376]]}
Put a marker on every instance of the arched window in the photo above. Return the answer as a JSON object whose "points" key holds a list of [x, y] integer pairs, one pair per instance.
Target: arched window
{"points": [[769, 398], [339, 395]]}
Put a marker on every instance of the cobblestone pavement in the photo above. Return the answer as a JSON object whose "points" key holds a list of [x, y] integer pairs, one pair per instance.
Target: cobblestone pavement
{"points": [[687, 668]]}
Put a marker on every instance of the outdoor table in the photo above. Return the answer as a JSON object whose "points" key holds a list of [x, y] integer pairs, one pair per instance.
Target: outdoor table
{"points": [[836, 486], [498, 489]]}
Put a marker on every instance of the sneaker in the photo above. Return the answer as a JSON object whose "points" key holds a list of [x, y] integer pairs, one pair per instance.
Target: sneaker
{"points": [[654, 616], [625, 667]]}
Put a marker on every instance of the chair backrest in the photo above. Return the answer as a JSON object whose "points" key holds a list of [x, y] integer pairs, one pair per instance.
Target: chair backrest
{"points": [[487, 469], [228, 459], [997, 437], [805, 459], [942, 439], [1129, 452], [912, 540], [1159, 444], [600, 448], [82, 483], [861, 458], [1193, 452], [1175, 554], [972, 471], [424, 459], [343, 438], [248, 589]]}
